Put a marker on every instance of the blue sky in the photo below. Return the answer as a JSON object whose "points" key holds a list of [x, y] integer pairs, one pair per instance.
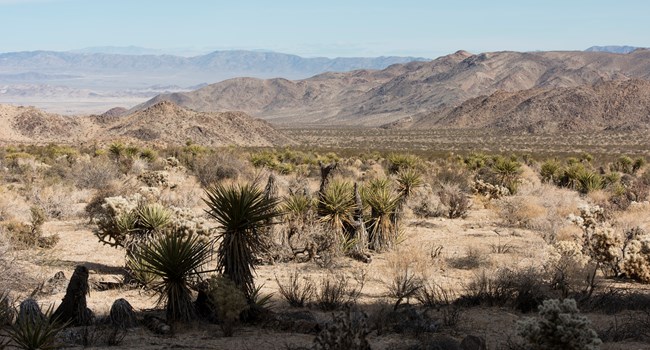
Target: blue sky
{"points": [[325, 28]]}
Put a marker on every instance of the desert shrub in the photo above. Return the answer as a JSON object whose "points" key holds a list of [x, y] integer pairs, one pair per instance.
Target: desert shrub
{"points": [[229, 302], [433, 295], [455, 201], [453, 174], [404, 285], [264, 159], [559, 326], [213, 168], [96, 173], [623, 164], [336, 291], [56, 201], [30, 235], [297, 291], [348, 331], [522, 211], [521, 289], [572, 271]]}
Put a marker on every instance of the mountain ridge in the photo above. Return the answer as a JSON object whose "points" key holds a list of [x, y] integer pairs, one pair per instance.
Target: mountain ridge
{"points": [[377, 97]]}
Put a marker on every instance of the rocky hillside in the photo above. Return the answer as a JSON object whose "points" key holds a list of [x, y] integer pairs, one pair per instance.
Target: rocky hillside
{"points": [[162, 123], [605, 105], [378, 97]]}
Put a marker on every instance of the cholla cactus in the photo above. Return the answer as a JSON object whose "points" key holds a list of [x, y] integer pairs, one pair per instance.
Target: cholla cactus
{"points": [[491, 191], [559, 326], [637, 259]]}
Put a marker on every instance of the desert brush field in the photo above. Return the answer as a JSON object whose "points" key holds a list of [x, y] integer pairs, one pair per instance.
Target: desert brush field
{"points": [[359, 244]]}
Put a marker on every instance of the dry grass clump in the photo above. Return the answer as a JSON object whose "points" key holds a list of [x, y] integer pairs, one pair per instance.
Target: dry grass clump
{"points": [[539, 207]]}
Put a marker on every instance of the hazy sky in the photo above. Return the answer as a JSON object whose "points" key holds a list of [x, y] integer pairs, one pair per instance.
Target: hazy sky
{"points": [[325, 28]]}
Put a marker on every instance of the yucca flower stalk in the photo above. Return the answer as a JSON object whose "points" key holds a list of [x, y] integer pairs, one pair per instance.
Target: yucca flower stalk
{"points": [[242, 211]]}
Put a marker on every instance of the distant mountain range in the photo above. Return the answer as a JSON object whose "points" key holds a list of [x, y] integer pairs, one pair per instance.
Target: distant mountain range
{"points": [[132, 72], [169, 69], [441, 87], [613, 49]]}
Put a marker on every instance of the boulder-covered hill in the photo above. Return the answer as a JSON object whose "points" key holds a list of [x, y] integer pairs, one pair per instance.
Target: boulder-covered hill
{"points": [[373, 98], [605, 105], [162, 123]]}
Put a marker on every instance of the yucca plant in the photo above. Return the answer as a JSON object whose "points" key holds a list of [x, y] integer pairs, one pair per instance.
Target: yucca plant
{"points": [[589, 181], [383, 202], [550, 171], [37, 333], [397, 162], [174, 257], [335, 210], [296, 206], [408, 180], [242, 211], [507, 171], [116, 150], [152, 218]]}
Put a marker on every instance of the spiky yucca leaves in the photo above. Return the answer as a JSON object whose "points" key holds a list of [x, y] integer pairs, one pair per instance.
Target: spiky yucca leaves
{"points": [[398, 161], [383, 201], [116, 150], [151, 218], [507, 171], [589, 181], [296, 206], [550, 171], [335, 209], [37, 333], [297, 209], [242, 211], [174, 258], [407, 180]]}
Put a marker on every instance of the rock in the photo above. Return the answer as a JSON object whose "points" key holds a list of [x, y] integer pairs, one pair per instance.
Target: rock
{"points": [[472, 342]]}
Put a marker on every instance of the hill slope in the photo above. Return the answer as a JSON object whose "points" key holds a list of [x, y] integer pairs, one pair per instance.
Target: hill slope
{"points": [[377, 97], [163, 123], [605, 105]]}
